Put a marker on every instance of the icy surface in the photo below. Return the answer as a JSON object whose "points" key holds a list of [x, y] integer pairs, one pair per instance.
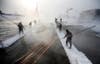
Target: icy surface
{"points": [[75, 56], [11, 40]]}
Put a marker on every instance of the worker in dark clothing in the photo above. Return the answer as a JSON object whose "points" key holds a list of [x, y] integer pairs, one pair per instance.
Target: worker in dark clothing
{"points": [[60, 24], [56, 20], [20, 27], [30, 24], [60, 20], [69, 37]]}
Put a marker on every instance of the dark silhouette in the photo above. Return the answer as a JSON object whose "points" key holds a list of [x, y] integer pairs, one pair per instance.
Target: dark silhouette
{"points": [[30, 24], [69, 37], [20, 27], [57, 23], [1, 12], [56, 20], [60, 24], [60, 20]]}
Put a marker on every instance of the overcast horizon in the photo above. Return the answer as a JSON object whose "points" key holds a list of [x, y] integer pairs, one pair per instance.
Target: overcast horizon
{"points": [[47, 10]]}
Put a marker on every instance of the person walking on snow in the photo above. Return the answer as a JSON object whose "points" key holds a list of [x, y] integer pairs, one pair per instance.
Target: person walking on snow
{"points": [[20, 27], [69, 38], [56, 21], [30, 24], [60, 24]]}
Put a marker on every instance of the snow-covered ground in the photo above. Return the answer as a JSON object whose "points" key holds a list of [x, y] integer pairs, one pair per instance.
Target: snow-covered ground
{"points": [[75, 56], [11, 40]]}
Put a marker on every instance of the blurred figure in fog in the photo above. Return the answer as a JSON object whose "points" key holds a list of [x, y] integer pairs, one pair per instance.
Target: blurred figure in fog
{"points": [[57, 23], [56, 20], [30, 24], [35, 21], [60, 20], [69, 38], [20, 27], [60, 24]]}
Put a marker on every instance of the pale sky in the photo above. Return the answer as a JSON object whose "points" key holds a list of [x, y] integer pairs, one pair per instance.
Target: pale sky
{"points": [[48, 9]]}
